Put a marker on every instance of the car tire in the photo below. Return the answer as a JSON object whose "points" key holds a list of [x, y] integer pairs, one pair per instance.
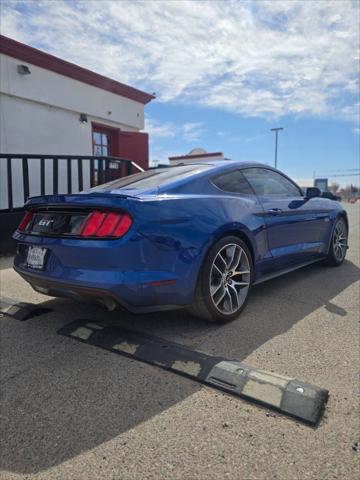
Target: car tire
{"points": [[224, 281], [338, 244]]}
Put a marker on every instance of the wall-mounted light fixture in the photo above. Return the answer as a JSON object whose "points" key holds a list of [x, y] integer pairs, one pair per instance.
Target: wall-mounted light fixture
{"points": [[83, 118], [23, 70]]}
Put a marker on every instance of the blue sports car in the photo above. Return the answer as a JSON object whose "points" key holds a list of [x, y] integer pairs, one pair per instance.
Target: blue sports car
{"points": [[194, 236]]}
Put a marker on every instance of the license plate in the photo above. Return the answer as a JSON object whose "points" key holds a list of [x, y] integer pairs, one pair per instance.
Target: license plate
{"points": [[36, 257]]}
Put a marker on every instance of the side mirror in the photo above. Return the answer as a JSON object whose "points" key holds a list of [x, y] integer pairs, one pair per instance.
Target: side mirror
{"points": [[312, 192], [330, 195]]}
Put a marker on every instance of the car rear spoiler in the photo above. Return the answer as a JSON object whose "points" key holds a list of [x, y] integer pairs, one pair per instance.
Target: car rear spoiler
{"points": [[78, 200]]}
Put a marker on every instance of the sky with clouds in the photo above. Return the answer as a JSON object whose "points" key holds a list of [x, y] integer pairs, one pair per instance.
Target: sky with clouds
{"points": [[224, 72]]}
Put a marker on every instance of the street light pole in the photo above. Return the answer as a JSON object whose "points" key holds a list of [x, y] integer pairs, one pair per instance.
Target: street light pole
{"points": [[276, 130]]}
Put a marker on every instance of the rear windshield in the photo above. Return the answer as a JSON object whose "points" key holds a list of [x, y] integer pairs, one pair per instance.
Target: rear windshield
{"points": [[153, 178]]}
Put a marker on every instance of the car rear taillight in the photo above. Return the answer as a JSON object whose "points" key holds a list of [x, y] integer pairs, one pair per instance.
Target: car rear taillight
{"points": [[25, 221], [92, 224], [105, 224]]}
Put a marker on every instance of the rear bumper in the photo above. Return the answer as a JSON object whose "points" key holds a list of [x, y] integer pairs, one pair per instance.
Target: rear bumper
{"points": [[110, 272], [106, 296], [146, 270]]}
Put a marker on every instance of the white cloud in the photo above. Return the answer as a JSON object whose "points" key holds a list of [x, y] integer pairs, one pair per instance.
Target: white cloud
{"points": [[160, 130], [356, 130], [192, 131], [189, 132], [265, 59], [158, 155]]}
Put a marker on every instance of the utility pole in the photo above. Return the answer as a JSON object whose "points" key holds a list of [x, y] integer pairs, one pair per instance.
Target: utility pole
{"points": [[276, 130]]}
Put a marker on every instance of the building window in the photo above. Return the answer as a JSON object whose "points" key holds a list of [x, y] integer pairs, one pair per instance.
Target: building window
{"points": [[105, 141], [101, 144]]}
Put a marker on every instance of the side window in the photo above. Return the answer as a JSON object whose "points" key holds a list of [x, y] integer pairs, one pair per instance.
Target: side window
{"points": [[268, 182], [233, 182]]}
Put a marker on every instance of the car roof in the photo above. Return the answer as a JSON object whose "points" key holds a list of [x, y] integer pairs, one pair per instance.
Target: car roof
{"points": [[219, 165], [213, 167], [169, 179]]}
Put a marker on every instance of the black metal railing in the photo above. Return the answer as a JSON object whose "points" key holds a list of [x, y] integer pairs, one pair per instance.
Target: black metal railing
{"points": [[24, 175]]}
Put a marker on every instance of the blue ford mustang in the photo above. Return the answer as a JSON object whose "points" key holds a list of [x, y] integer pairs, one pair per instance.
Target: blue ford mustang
{"points": [[195, 236]]}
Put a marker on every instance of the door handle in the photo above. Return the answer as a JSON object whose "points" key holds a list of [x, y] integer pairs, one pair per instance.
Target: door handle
{"points": [[274, 211]]}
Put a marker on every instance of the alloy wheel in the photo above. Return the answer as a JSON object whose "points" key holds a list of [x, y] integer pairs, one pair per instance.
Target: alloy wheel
{"points": [[229, 279], [340, 240]]}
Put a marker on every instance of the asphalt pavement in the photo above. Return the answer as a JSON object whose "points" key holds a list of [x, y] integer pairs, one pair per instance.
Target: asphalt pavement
{"points": [[75, 411]]}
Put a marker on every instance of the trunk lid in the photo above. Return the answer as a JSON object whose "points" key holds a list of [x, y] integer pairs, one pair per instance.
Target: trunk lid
{"points": [[64, 215]]}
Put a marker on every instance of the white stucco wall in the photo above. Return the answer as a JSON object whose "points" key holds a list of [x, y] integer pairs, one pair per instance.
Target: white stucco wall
{"points": [[53, 89], [40, 112], [31, 127], [34, 128]]}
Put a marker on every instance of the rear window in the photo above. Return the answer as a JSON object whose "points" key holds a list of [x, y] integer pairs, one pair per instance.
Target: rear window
{"points": [[153, 178], [233, 182]]}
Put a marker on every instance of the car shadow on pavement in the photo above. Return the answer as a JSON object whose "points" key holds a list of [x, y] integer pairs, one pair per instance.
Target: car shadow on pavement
{"points": [[6, 262], [61, 397]]}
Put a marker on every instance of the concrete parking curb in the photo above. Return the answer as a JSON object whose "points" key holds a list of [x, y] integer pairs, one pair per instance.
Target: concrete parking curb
{"points": [[21, 310], [287, 395]]}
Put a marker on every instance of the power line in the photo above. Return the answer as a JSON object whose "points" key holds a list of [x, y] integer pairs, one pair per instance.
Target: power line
{"points": [[345, 170], [329, 173], [341, 175]]}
